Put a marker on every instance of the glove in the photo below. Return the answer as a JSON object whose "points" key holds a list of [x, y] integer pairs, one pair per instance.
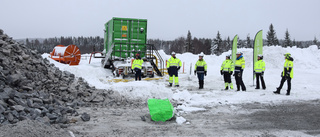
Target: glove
{"points": [[262, 73], [205, 73], [230, 73], [254, 72], [195, 72], [221, 72], [178, 68]]}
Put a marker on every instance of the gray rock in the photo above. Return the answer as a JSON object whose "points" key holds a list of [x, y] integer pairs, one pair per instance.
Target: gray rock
{"points": [[85, 117], [52, 116], [9, 117], [2, 109], [18, 108]]}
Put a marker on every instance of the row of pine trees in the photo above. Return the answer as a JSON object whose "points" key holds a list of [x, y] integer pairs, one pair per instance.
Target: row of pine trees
{"points": [[190, 44]]}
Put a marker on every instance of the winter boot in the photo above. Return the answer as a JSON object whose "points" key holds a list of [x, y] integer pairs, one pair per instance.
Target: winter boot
{"points": [[288, 92], [201, 84], [231, 85], [238, 87], [226, 86], [170, 85], [277, 92]]}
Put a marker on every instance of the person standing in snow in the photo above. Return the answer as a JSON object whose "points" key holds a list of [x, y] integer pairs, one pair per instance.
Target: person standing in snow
{"points": [[238, 71], [137, 66], [259, 68], [286, 74], [226, 70], [200, 69], [173, 66]]}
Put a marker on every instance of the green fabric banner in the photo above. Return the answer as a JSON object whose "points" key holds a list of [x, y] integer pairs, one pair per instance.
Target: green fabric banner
{"points": [[160, 110], [234, 48], [257, 49]]}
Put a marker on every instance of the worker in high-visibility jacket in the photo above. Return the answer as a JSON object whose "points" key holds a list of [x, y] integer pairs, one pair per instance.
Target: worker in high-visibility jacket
{"points": [[286, 74], [238, 71], [137, 66], [200, 69], [259, 68], [226, 70], [173, 66]]}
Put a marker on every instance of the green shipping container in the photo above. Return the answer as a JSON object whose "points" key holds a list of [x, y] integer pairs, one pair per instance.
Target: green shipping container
{"points": [[129, 36]]}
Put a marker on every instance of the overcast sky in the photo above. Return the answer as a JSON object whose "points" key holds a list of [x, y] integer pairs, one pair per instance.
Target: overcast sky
{"points": [[167, 19]]}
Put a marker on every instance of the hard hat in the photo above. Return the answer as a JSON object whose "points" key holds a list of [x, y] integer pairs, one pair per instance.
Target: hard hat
{"points": [[137, 54], [228, 55], [260, 55], [287, 55], [239, 53], [173, 53], [201, 54]]}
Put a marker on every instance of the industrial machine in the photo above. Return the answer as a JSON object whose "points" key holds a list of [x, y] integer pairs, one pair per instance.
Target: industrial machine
{"points": [[68, 55], [123, 39]]}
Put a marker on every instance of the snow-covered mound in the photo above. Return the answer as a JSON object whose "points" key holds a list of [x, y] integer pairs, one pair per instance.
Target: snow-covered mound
{"points": [[304, 83]]}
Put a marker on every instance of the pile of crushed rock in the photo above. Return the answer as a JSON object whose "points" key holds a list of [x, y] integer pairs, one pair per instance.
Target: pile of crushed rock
{"points": [[32, 88]]}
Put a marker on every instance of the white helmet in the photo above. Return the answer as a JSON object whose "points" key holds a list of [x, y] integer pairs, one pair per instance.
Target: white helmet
{"points": [[201, 54], [173, 53], [239, 53], [228, 55]]}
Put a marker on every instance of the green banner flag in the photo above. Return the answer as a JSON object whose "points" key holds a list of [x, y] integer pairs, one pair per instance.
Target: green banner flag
{"points": [[257, 49], [234, 48]]}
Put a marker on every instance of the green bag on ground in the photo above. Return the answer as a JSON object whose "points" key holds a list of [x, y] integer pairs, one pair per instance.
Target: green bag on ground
{"points": [[160, 110]]}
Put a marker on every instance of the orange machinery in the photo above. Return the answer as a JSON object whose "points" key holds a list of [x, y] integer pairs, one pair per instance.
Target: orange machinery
{"points": [[67, 55]]}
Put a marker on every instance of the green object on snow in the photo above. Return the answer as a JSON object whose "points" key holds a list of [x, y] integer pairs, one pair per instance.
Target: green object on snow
{"points": [[160, 110]]}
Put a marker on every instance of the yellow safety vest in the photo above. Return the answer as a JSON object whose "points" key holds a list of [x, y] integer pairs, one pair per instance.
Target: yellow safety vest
{"points": [[240, 64], [200, 66], [288, 64], [174, 62], [227, 65], [137, 63], [260, 66]]}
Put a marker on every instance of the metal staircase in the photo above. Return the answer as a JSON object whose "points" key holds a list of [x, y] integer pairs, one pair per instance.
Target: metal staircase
{"points": [[153, 54]]}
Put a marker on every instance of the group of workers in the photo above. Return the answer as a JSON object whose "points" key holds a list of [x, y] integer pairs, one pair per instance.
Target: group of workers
{"points": [[228, 68]]}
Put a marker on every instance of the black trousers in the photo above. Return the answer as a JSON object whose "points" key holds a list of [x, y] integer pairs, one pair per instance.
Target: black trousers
{"points": [[227, 77], [283, 79], [259, 75], [239, 82], [138, 74]]}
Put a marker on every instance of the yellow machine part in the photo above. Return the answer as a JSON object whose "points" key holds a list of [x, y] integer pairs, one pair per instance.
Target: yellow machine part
{"points": [[128, 80]]}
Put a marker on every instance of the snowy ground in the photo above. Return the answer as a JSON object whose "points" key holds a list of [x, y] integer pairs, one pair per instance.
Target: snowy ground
{"points": [[210, 110]]}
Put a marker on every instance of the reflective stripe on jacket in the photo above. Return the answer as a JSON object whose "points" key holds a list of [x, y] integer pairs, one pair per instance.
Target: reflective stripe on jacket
{"points": [[259, 66], [137, 63], [200, 66], [227, 65]]}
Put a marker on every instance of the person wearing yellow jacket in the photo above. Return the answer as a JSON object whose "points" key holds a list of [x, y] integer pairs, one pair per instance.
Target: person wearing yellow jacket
{"points": [[200, 69], [259, 68], [226, 70], [238, 71], [286, 74], [137, 66], [173, 66]]}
